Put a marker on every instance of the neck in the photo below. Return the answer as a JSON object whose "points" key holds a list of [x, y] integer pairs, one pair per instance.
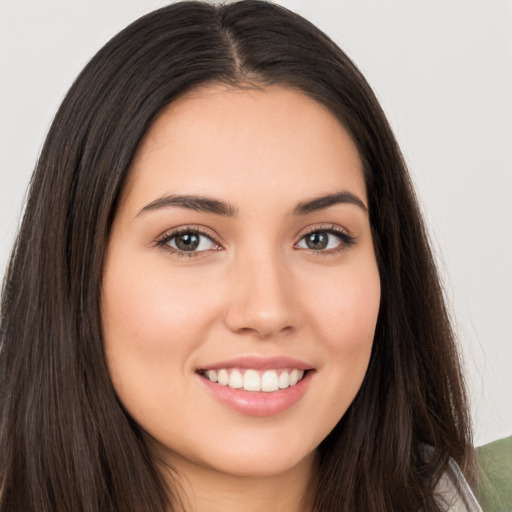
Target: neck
{"points": [[203, 489]]}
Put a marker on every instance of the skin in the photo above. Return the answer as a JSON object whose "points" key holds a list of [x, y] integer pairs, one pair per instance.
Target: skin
{"points": [[257, 289]]}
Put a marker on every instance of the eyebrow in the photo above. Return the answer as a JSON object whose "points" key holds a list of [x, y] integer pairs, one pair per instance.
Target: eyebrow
{"points": [[210, 205], [197, 203], [322, 202]]}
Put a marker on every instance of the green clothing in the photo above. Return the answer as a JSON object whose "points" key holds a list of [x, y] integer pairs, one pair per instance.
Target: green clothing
{"points": [[494, 490]]}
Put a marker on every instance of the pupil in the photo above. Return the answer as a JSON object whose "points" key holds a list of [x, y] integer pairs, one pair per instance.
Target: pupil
{"points": [[317, 241], [187, 242]]}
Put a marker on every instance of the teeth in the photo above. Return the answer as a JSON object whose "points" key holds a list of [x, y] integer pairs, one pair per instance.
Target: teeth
{"points": [[223, 377], [236, 380], [284, 380], [251, 380], [294, 377], [269, 381]]}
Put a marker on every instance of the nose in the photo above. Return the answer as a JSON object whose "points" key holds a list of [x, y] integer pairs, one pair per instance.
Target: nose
{"points": [[261, 301]]}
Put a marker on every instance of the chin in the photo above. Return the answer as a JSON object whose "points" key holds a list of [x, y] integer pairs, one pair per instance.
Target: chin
{"points": [[261, 465], [255, 455]]}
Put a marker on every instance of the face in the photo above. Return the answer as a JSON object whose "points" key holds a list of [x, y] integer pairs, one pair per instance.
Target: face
{"points": [[241, 289]]}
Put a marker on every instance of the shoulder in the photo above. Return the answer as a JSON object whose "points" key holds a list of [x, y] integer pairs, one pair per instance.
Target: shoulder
{"points": [[453, 492], [495, 466]]}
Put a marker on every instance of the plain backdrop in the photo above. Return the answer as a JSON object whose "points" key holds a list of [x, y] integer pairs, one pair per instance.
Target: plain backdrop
{"points": [[442, 70]]}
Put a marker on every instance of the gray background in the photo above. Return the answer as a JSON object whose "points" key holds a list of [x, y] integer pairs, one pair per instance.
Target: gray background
{"points": [[442, 70]]}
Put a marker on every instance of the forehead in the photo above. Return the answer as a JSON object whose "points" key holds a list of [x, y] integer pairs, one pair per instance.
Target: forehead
{"points": [[245, 142]]}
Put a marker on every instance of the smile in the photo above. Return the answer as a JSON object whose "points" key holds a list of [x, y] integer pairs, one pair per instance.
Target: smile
{"points": [[257, 386], [255, 380]]}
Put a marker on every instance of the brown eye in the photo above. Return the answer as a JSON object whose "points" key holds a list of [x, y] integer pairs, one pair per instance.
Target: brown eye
{"points": [[187, 242], [190, 241], [317, 241], [327, 240]]}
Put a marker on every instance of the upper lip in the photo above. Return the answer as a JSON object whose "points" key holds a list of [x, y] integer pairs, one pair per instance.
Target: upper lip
{"points": [[259, 363]]}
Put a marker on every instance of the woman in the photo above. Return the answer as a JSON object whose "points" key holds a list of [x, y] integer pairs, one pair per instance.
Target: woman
{"points": [[222, 294]]}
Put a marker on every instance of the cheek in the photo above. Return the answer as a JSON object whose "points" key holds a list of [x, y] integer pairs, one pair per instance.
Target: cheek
{"points": [[153, 322], [345, 308], [344, 317], [153, 309]]}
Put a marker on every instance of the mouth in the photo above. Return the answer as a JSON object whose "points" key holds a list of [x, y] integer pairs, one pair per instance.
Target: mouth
{"points": [[251, 379], [257, 387]]}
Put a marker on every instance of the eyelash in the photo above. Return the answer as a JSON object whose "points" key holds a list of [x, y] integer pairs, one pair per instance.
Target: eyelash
{"points": [[164, 240], [346, 240]]}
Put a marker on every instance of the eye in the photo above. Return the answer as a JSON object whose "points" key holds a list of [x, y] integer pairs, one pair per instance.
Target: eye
{"points": [[326, 240], [188, 241]]}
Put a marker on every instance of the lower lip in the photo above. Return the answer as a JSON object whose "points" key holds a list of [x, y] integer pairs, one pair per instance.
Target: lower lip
{"points": [[259, 403]]}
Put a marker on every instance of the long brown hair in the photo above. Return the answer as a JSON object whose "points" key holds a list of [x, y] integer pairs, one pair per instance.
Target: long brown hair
{"points": [[66, 443]]}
